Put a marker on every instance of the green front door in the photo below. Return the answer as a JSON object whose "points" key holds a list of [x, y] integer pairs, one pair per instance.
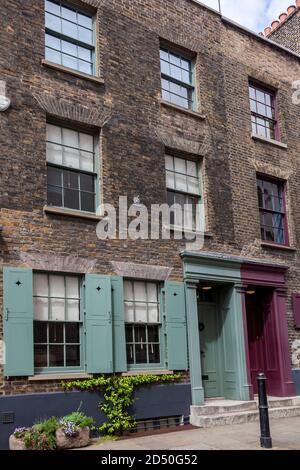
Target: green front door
{"points": [[210, 350]]}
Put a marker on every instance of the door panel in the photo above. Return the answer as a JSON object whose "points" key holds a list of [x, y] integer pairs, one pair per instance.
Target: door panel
{"points": [[263, 350], [209, 343]]}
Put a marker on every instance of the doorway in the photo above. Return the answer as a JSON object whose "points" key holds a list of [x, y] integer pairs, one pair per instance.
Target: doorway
{"points": [[262, 340], [209, 334]]}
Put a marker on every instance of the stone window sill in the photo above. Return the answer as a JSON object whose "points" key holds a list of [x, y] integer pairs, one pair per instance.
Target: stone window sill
{"points": [[47, 377], [278, 247], [276, 143], [174, 228], [189, 112], [72, 213], [147, 372], [75, 73]]}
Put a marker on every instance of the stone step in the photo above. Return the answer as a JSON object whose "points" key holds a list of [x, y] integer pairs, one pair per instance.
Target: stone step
{"points": [[281, 402], [225, 419], [229, 407]]}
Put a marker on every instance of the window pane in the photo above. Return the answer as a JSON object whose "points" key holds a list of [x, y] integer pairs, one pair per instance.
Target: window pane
{"points": [[85, 54], [40, 308], [40, 332], [57, 286], [87, 183], [40, 284], [152, 292], [86, 21], [153, 334], [52, 22], [87, 202], [53, 56], [54, 196], [71, 199], [72, 287], [128, 290], [56, 333], [54, 133], [69, 48], [72, 310], [140, 334], [85, 67], [169, 163], [153, 313], [52, 7], [69, 14], [129, 312], [72, 333], [141, 353], [52, 42], [86, 142], [54, 153], [72, 356], [181, 182], [129, 334], [71, 157], [86, 161], [154, 353], [165, 67], [56, 356], [140, 291], [69, 29], [141, 312], [57, 309], [175, 72], [68, 61], [193, 186], [130, 353], [40, 356], [85, 35], [170, 180]]}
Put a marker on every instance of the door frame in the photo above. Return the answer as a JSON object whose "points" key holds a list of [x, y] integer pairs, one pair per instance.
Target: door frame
{"points": [[219, 339], [271, 275], [223, 270]]}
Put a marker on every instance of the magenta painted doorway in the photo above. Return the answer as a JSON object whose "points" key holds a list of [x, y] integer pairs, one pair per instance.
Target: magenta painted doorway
{"points": [[262, 343], [266, 330]]}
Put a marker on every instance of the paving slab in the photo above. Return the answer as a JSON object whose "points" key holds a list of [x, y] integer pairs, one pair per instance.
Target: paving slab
{"points": [[285, 434]]}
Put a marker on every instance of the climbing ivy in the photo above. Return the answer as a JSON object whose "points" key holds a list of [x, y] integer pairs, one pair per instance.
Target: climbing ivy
{"points": [[118, 394]]}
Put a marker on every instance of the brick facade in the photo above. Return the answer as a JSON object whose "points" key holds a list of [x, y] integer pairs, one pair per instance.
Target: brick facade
{"points": [[288, 33], [136, 128]]}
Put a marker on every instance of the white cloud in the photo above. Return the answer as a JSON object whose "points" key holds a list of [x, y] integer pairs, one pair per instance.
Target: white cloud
{"points": [[254, 14]]}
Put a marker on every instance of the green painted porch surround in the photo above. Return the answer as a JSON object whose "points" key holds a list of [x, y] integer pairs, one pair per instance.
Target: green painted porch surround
{"points": [[226, 271]]}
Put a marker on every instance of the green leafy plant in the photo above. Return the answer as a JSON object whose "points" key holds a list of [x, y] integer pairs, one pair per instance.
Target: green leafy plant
{"points": [[118, 393], [41, 436], [79, 419]]}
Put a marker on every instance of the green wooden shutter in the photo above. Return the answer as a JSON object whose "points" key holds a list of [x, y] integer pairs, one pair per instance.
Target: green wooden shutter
{"points": [[119, 342], [176, 326], [98, 308], [18, 322]]}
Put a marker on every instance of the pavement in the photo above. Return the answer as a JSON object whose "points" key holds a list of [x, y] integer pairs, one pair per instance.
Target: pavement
{"points": [[285, 434]]}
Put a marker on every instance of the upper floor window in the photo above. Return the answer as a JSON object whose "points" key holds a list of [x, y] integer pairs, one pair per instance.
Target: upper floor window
{"points": [[143, 323], [272, 210], [71, 169], [177, 78], [263, 112], [184, 190], [57, 321], [69, 37]]}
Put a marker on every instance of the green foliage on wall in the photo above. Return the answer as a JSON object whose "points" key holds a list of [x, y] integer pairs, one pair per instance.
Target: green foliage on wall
{"points": [[118, 393]]}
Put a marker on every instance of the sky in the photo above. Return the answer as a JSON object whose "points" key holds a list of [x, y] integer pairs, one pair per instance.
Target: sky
{"points": [[254, 14]]}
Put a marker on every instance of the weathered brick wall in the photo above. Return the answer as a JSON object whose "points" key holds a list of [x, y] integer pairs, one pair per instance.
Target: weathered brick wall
{"points": [[289, 33], [136, 128]]}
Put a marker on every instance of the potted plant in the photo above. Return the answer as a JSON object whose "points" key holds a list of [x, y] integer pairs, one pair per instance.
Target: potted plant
{"points": [[74, 431]]}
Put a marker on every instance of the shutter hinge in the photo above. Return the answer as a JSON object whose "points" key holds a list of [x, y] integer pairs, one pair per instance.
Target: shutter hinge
{"points": [[7, 313], [84, 285]]}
